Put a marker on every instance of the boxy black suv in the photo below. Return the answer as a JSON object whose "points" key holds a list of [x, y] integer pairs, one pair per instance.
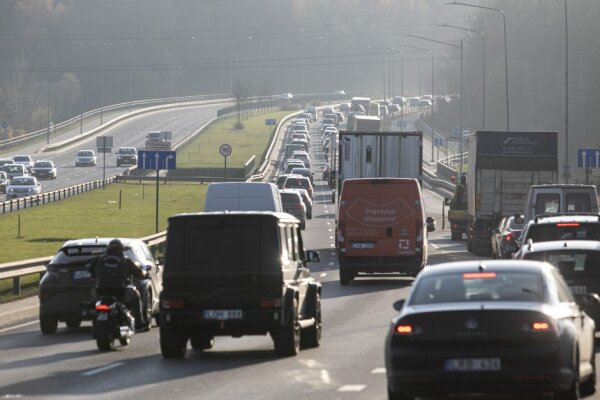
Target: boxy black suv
{"points": [[68, 282], [235, 274]]}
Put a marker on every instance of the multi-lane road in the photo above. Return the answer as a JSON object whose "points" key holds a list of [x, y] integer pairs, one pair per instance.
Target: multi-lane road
{"points": [[348, 364]]}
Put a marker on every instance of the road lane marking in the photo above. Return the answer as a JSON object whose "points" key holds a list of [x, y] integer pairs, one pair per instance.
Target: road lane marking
{"points": [[330, 230], [323, 275], [351, 388], [332, 245], [331, 237], [102, 369], [12, 328], [378, 371], [325, 377], [434, 246]]}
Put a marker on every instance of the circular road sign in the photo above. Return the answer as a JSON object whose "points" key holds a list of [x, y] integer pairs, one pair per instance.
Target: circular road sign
{"points": [[225, 150]]}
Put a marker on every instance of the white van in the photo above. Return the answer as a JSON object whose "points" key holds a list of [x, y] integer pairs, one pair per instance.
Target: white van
{"points": [[560, 199], [242, 196]]}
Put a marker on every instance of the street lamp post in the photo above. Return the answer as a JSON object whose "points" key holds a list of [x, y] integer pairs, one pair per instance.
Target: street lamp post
{"points": [[383, 61], [505, 49], [483, 52], [567, 174], [460, 141]]}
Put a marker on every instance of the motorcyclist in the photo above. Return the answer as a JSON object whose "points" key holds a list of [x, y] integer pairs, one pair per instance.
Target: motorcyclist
{"points": [[112, 272]]}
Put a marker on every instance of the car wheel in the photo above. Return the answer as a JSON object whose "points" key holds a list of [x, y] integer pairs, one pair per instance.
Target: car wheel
{"points": [[48, 325], [311, 336], [398, 396], [588, 387], [148, 303], [73, 322], [172, 343], [202, 342], [287, 338], [345, 277], [573, 392]]}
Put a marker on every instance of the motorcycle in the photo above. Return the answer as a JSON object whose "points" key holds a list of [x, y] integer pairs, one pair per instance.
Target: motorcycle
{"points": [[111, 320]]}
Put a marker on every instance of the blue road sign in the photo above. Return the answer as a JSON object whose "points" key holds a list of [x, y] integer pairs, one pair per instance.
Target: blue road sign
{"points": [[270, 121], [156, 159], [588, 158], [438, 142]]}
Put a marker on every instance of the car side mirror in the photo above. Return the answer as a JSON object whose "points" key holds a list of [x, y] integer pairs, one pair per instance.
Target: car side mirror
{"points": [[312, 256], [398, 305], [446, 201]]}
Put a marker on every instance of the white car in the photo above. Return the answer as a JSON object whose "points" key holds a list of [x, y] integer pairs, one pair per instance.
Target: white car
{"points": [[44, 169], [25, 160], [22, 186], [3, 181], [286, 96], [85, 157]]}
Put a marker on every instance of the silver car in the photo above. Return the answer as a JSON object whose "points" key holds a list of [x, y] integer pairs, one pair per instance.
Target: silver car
{"points": [[293, 204], [22, 186], [85, 157]]}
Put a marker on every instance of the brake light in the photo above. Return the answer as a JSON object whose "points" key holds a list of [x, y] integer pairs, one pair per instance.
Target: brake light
{"points": [[172, 304], [270, 303], [479, 275], [540, 326], [404, 329], [509, 236], [567, 224], [102, 307]]}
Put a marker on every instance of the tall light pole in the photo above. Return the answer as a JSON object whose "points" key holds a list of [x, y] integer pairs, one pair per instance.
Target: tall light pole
{"points": [[483, 63], [505, 49], [386, 51], [432, 93], [567, 167], [460, 140]]}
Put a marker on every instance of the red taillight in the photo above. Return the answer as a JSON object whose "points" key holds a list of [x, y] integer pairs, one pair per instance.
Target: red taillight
{"points": [[454, 226], [567, 224], [172, 304], [479, 275], [270, 303], [540, 326], [404, 329], [509, 236], [102, 307]]}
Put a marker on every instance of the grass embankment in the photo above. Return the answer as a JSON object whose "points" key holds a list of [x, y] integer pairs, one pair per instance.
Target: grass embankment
{"points": [[97, 213]]}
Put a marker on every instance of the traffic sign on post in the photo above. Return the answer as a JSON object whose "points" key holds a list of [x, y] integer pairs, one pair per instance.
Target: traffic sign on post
{"points": [[588, 158], [225, 150], [270, 121], [156, 159], [438, 142]]}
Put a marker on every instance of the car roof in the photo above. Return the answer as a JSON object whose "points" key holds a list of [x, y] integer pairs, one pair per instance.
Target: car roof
{"points": [[279, 215], [485, 265], [548, 219], [562, 244], [97, 241]]}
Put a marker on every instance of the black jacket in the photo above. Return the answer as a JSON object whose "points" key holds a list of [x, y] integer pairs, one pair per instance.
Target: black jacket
{"points": [[114, 272]]}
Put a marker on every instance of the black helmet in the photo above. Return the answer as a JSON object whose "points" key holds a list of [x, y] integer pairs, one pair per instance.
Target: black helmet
{"points": [[115, 247]]}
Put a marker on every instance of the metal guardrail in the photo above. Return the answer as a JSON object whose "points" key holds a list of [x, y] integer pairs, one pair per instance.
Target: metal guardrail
{"points": [[41, 134], [18, 269]]}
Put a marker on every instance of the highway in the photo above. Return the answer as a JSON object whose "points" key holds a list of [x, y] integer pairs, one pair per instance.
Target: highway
{"points": [[348, 364]]}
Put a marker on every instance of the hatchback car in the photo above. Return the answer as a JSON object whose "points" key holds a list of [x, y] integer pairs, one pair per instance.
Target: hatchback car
{"points": [[304, 172], [299, 182], [291, 164], [13, 170], [22, 186], [127, 156], [85, 158], [25, 160], [44, 169], [308, 203], [498, 327], [68, 282], [504, 237], [302, 155], [293, 204]]}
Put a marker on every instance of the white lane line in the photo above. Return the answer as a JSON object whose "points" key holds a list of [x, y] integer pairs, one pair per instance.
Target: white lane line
{"points": [[325, 377], [434, 246], [102, 369], [330, 230], [331, 237], [12, 328], [328, 223], [351, 388], [332, 245], [378, 371], [331, 263], [323, 275]]}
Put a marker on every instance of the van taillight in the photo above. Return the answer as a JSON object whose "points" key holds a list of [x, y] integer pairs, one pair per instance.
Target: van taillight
{"points": [[266, 302], [172, 304]]}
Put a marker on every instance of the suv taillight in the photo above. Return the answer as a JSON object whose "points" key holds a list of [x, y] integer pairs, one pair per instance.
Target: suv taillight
{"points": [[172, 304]]}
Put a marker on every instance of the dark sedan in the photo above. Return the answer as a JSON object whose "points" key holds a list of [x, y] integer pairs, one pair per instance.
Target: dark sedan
{"points": [[68, 282], [498, 327], [504, 238]]}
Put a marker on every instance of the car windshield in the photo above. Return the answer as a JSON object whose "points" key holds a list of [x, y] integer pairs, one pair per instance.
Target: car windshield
{"points": [[564, 231], [291, 198], [71, 254], [126, 151], [478, 286], [514, 226], [571, 262], [42, 165], [85, 154], [22, 181], [13, 168], [22, 158]]}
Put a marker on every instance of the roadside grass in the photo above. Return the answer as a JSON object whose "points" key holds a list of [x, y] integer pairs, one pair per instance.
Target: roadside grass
{"points": [[203, 150]]}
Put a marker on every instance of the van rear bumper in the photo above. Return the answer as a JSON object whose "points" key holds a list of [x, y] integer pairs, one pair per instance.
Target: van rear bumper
{"points": [[399, 264]]}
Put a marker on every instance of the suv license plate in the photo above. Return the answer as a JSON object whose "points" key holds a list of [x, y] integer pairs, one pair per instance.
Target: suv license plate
{"points": [[362, 245], [222, 314], [102, 316], [81, 275], [473, 364]]}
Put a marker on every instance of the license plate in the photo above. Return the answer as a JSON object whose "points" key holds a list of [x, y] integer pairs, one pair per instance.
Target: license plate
{"points": [[362, 245], [102, 316], [578, 289], [472, 364], [222, 314], [81, 275]]}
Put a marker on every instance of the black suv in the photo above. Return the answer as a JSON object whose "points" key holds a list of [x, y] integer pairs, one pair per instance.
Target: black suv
{"points": [[67, 282], [127, 156], [235, 274]]}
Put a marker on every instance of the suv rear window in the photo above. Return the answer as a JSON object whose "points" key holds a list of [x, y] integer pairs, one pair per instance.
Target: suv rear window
{"points": [[570, 262], [564, 231]]}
